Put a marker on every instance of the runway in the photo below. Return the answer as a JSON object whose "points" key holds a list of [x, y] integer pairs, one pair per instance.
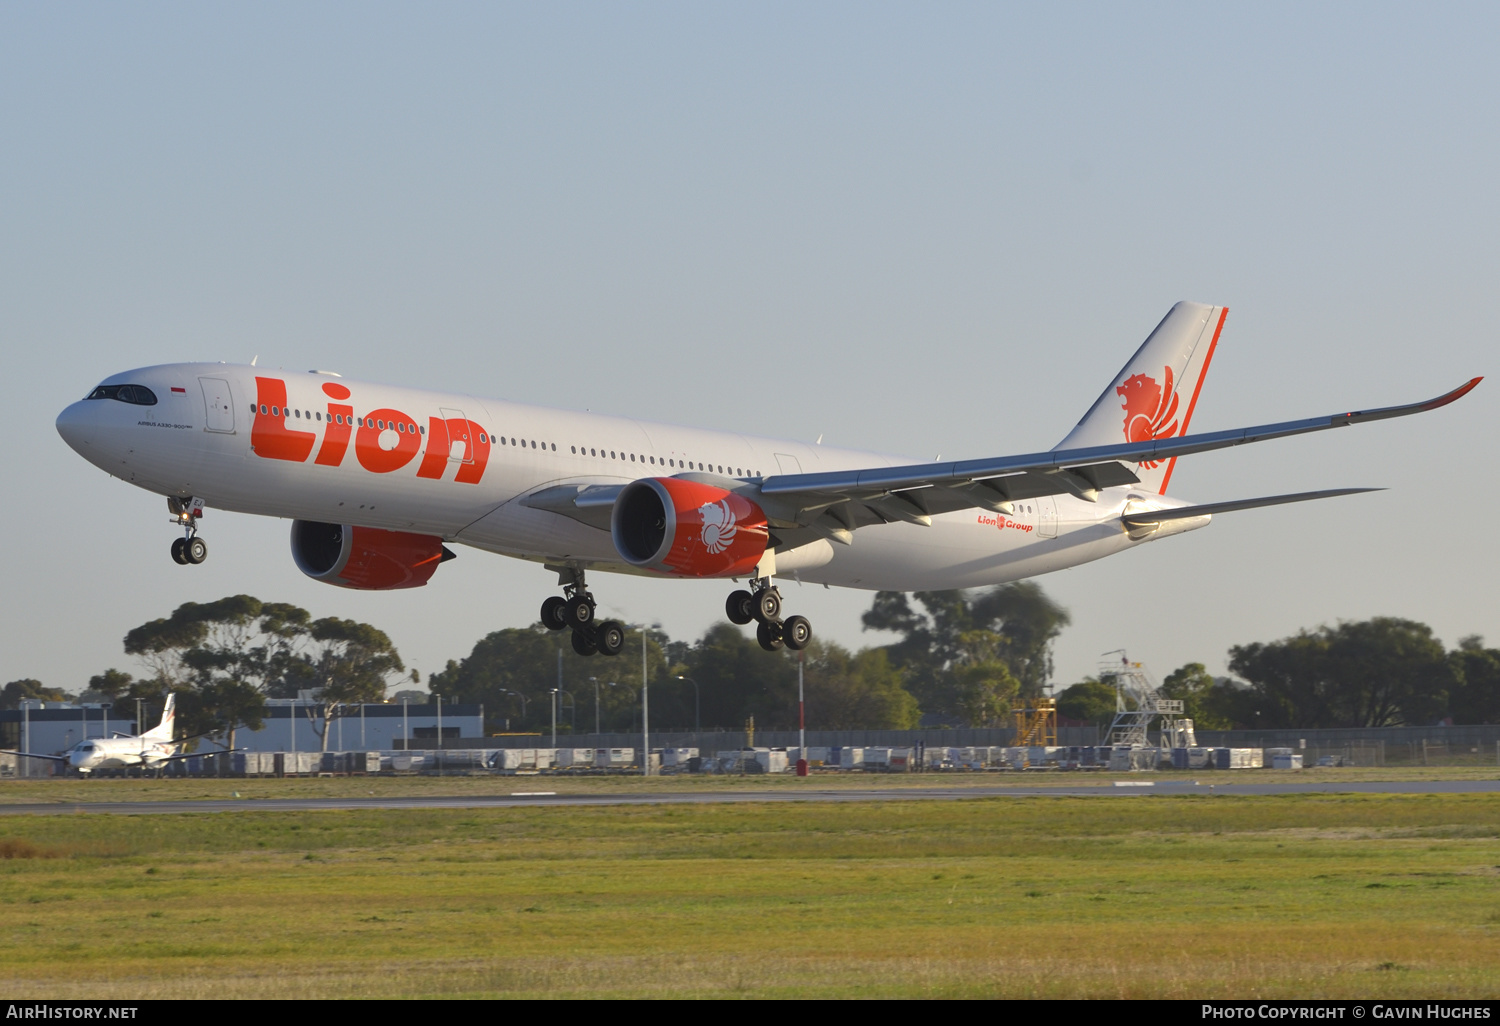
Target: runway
{"points": [[545, 798]]}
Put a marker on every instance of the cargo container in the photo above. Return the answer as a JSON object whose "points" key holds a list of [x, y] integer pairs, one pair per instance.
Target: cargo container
{"points": [[677, 758], [1238, 758], [771, 760], [851, 758], [614, 758], [1291, 760], [575, 758]]}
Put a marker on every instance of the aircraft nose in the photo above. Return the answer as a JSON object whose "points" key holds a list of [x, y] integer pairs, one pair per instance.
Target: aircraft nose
{"points": [[77, 427]]}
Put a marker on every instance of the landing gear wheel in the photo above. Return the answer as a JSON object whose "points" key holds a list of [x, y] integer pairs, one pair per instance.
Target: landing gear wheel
{"points": [[796, 632], [196, 550], [552, 613], [578, 611], [769, 636], [767, 607], [179, 551], [609, 637], [583, 644], [740, 607]]}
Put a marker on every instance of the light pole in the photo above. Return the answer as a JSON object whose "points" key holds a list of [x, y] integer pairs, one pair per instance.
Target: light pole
{"points": [[553, 703], [801, 723], [522, 697], [696, 727], [645, 705], [595, 681]]}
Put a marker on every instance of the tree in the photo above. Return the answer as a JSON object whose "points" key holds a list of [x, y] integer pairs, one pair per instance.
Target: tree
{"points": [[224, 658], [855, 692], [1211, 704], [947, 649], [525, 661], [1090, 700], [17, 691], [1475, 697], [213, 656], [354, 663], [1371, 673]]}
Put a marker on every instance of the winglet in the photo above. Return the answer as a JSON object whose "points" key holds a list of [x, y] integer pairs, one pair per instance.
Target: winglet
{"points": [[1359, 416]]}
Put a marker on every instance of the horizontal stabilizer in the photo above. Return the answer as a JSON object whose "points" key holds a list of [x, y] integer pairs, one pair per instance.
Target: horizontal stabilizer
{"points": [[1148, 517]]}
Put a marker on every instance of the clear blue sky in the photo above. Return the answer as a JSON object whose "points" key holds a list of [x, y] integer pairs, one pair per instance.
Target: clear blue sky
{"points": [[922, 228]]}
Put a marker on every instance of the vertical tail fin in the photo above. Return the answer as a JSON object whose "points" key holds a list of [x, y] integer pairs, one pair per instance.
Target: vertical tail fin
{"points": [[1154, 395], [163, 730]]}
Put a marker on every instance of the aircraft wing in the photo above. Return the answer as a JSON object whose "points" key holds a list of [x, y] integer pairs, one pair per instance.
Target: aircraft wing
{"points": [[1145, 518], [837, 502], [586, 503], [34, 755], [189, 755]]}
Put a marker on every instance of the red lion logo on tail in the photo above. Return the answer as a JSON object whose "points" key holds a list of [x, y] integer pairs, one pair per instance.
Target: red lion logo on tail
{"points": [[1150, 409]]}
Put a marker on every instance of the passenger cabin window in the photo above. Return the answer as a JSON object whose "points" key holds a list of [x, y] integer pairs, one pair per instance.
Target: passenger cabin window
{"points": [[136, 395]]}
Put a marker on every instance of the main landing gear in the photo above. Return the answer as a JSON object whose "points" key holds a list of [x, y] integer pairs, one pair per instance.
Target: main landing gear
{"points": [[762, 604], [189, 549], [574, 609]]}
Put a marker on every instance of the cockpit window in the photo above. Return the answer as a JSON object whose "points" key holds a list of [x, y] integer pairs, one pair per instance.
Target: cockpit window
{"points": [[138, 395]]}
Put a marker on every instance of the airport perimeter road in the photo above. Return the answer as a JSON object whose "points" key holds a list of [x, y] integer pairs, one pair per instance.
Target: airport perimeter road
{"points": [[541, 796]]}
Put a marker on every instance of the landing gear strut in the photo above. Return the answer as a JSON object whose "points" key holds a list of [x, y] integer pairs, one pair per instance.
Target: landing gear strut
{"points": [[189, 549], [763, 605], [575, 609]]}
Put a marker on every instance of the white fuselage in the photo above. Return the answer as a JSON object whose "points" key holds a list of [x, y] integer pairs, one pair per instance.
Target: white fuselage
{"points": [[117, 753], [202, 439]]}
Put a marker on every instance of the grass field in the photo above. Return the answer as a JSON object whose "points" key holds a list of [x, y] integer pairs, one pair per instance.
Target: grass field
{"points": [[1306, 896]]}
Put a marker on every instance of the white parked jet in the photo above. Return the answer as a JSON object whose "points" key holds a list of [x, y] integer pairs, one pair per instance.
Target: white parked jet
{"points": [[376, 478], [123, 751]]}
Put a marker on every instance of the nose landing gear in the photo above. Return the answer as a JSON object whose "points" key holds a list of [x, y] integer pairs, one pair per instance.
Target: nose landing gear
{"points": [[189, 549], [575, 609], [763, 605]]}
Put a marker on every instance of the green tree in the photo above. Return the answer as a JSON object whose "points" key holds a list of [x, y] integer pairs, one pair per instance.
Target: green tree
{"points": [[17, 691], [1371, 673], [956, 632], [862, 691], [1475, 694], [1211, 704], [525, 661], [352, 663], [1090, 700]]}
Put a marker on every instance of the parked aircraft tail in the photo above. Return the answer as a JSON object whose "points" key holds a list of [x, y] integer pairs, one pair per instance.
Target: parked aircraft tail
{"points": [[163, 730], [1156, 392]]}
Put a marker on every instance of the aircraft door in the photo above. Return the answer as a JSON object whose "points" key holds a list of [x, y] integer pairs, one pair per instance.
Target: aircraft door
{"points": [[460, 446], [788, 464], [218, 405], [1046, 516]]}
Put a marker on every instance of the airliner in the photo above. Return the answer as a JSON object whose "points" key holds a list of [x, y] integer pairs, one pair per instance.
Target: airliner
{"points": [[123, 751], [379, 480]]}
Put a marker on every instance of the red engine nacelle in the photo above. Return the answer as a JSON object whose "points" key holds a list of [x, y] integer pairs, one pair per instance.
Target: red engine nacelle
{"points": [[365, 557], [688, 529]]}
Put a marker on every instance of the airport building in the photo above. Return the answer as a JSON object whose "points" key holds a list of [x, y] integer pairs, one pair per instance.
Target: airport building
{"points": [[289, 724]]}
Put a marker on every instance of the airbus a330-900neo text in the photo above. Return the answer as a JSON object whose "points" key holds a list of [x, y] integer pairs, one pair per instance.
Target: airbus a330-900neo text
{"points": [[377, 479]]}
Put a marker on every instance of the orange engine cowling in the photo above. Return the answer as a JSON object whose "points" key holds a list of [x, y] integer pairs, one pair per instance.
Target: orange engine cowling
{"points": [[365, 557], [688, 529]]}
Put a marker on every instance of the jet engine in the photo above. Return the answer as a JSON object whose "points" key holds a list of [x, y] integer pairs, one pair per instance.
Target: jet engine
{"points": [[688, 529], [365, 557]]}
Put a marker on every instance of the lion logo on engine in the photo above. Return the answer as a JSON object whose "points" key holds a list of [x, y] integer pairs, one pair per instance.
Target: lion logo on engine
{"points": [[718, 525]]}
